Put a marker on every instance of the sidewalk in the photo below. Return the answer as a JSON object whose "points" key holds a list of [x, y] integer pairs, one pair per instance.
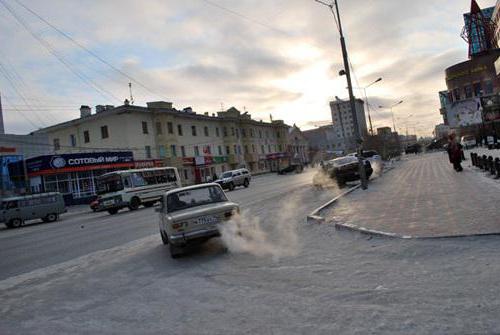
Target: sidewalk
{"points": [[424, 197]]}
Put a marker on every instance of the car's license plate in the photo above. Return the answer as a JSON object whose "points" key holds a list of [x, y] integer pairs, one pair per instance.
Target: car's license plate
{"points": [[207, 220]]}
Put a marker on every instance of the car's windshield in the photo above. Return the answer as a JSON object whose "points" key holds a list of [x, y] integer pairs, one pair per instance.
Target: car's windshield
{"points": [[194, 197], [108, 184], [227, 175], [343, 161]]}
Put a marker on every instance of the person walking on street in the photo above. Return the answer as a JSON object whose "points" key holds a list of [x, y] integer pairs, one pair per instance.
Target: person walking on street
{"points": [[455, 153]]}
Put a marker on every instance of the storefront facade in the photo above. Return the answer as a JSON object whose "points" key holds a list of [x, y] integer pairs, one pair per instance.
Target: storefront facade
{"points": [[74, 175]]}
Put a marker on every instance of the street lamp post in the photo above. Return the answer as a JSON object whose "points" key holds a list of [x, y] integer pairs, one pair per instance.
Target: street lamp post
{"points": [[367, 104], [392, 114], [347, 72]]}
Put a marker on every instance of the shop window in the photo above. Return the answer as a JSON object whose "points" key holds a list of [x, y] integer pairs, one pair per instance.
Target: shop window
{"points": [[478, 90], [159, 129], [193, 130], [72, 140], [170, 127], [174, 150], [179, 129], [145, 127], [104, 132], [57, 144], [86, 136], [468, 91], [196, 151], [205, 129], [183, 151], [148, 151]]}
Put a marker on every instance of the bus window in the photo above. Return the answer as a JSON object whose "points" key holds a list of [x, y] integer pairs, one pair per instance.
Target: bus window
{"points": [[149, 177], [137, 179], [112, 183], [127, 182], [171, 177]]}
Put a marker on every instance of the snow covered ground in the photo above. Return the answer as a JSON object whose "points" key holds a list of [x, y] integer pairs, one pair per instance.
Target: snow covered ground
{"points": [[316, 280]]}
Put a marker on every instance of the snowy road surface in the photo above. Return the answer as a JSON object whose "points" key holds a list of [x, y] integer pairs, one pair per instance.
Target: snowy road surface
{"points": [[326, 281]]}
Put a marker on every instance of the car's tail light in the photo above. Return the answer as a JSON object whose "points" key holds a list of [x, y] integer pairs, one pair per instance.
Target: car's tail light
{"points": [[178, 225]]}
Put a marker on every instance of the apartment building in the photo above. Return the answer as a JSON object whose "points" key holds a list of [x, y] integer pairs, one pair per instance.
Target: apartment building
{"points": [[343, 122], [201, 146]]}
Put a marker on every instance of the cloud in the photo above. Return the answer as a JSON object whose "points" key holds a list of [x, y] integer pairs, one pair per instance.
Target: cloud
{"points": [[279, 57]]}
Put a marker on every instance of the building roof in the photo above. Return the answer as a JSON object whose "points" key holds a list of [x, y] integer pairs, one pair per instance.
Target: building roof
{"points": [[161, 107]]}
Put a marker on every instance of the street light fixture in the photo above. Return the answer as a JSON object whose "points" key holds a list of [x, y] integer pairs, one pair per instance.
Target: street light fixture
{"points": [[392, 114], [367, 103]]}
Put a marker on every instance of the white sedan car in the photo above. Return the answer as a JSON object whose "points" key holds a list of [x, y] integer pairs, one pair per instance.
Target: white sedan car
{"points": [[193, 214]]}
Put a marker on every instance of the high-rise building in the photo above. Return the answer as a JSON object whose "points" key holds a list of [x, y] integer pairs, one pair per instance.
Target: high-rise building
{"points": [[343, 122]]}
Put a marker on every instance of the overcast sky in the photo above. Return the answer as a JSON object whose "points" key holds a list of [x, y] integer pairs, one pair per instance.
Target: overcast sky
{"points": [[278, 57]]}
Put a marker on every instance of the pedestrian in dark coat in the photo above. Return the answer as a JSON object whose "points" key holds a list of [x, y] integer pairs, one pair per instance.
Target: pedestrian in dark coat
{"points": [[455, 152]]}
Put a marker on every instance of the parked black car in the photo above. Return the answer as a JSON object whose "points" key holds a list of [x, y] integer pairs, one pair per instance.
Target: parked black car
{"points": [[413, 149], [346, 169], [297, 168]]}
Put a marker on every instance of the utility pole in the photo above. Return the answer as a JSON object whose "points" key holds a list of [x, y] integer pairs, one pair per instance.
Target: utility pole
{"points": [[347, 72], [2, 129]]}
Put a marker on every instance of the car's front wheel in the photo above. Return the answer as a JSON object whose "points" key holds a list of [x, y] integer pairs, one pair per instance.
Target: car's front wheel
{"points": [[15, 223], [134, 204]]}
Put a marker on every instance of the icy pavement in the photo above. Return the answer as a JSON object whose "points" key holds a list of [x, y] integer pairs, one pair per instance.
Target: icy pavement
{"points": [[424, 197], [334, 283]]}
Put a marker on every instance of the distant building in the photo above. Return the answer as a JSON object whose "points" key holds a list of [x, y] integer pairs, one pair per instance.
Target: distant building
{"points": [[324, 143], [387, 143], [298, 145], [343, 122]]}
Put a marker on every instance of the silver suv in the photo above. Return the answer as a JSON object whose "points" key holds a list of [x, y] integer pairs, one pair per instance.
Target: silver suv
{"points": [[230, 179]]}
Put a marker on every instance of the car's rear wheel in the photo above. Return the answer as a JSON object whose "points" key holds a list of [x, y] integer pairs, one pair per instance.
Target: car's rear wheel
{"points": [[113, 211], [134, 204], [175, 251], [50, 217], [164, 237], [15, 223], [246, 183]]}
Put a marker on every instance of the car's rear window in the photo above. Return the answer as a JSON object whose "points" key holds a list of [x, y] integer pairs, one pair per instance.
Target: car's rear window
{"points": [[194, 197]]}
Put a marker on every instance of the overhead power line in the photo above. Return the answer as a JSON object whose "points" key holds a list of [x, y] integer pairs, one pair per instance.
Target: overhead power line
{"points": [[61, 59], [90, 52]]}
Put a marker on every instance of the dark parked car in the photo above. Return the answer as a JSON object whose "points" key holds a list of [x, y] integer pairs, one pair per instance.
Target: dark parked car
{"points": [[297, 168], [413, 149], [346, 169]]}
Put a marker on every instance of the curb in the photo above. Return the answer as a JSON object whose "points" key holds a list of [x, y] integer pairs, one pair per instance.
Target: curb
{"points": [[315, 217], [372, 232]]}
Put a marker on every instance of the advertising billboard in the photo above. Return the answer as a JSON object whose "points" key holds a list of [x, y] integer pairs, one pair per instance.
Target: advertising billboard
{"points": [[464, 113], [491, 108]]}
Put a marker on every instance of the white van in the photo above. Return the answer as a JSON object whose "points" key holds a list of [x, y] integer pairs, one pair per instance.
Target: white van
{"points": [[14, 211]]}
